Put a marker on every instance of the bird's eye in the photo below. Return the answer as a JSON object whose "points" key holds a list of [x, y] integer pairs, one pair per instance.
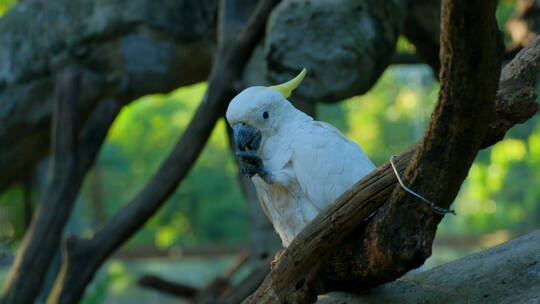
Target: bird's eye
{"points": [[264, 115]]}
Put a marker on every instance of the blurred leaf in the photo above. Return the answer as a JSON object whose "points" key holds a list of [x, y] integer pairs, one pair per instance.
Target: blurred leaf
{"points": [[404, 45], [5, 5]]}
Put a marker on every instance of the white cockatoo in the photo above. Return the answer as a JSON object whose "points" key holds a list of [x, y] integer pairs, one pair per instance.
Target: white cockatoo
{"points": [[298, 165]]}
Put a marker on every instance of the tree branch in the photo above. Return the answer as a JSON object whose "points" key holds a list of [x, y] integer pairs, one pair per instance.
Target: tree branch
{"points": [[248, 285], [333, 246], [145, 49], [516, 97], [85, 256], [42, 239], [400, 237], [503, 274], [68, 168], [208, 294], [166, 286]]}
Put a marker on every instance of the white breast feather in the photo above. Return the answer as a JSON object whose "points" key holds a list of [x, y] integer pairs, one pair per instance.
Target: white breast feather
{"points": [[312, 168], [327, 164]]}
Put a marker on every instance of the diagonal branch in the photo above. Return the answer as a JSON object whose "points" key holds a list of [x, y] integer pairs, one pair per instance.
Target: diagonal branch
{"points": [[168, 287], [43, 237], [95, 131], [335, 246], [400, 237], [84, 257], [516, 97], [72, 158]]}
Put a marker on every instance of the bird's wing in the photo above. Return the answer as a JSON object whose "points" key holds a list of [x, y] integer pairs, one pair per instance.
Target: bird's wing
{"points": [[326, 162]]}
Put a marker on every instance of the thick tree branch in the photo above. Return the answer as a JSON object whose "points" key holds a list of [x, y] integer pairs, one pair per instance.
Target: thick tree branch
{"points": [[400, 237], [516, 97], [71, 159], [43, 237], [335, 245], [85, 256]]}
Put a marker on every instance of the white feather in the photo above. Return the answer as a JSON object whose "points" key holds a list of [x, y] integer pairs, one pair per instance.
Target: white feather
{"points": [[311, 163]]}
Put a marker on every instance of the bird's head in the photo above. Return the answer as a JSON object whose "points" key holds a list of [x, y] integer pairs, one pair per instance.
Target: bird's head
{"points": [[261, 111]]}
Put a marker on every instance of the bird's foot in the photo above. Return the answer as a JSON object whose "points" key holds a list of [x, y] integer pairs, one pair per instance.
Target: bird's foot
{"points": [[251, 164]]}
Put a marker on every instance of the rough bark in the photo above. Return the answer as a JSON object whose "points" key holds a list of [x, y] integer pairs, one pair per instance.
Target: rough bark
{"points": [[363, 259], [124, 49], [43, 236], [84, 256], [508, 273], [400, 236], [516, 97], [72, 156]]}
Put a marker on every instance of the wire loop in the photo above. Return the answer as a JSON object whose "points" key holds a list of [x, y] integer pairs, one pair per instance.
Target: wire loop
{"points": [[435, 207]]}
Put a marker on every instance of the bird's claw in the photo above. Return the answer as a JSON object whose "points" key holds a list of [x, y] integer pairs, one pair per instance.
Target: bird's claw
{"points": [[251, 164], [275, 261]]}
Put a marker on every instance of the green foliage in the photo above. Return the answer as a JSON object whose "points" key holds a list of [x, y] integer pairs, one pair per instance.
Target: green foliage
{"points": [[502, 190], [403, 45], [11, 216], [206, 207], [391, 116], [5, 5]]}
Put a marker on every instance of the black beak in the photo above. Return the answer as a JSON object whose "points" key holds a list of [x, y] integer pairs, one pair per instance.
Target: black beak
{"points": [[246, 137]]}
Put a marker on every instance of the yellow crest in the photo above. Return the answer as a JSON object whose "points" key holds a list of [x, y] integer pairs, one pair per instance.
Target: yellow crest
{"points": [[286, 88]]}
